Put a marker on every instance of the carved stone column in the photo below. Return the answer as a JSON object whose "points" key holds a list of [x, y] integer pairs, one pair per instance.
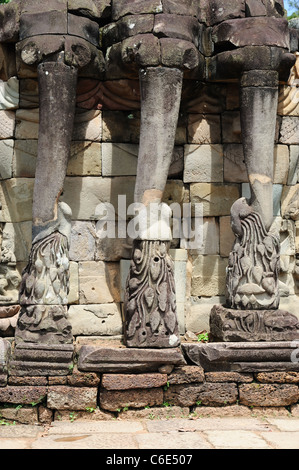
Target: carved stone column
{"points": [[150, 305]]}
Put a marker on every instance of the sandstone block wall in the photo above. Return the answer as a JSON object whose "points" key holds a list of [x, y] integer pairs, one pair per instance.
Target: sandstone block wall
{"points": [[207, 168]]}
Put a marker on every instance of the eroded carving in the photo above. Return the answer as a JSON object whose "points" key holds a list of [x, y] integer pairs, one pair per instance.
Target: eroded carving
{"points": [[150, 297], [253, 269]]}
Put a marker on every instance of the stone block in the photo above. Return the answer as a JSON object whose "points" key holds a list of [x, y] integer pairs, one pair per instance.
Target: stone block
{"points": [[121, 126], [16, 242], [9, 93], [142, 49], [208, 276], [217, 199], [84, 28], [7, 62], [82, 379], [227, 236], [112, 249], [178, 27], [198, 313], [6, 154], [9, 20], [208, 394], [259, 31], [94, 9], [133, 381], [114, 400], [210, 241], [87, 125], [234, 165], [255, 8], [122, 8], [228, 377], [293, 175], [36, 23], [7, 124], [119, 159], [129, 25], [73, 295], [289, 131], [25, 395], [180, 53], [82, 244], [111, 359], [71, 398], [185, 7], [203, 164], [204, 129], [16, 200], [96, 319], [231, 127], [224, 10], [99, 282], [84, 194], [281, 164], [85, 159], [186, 375], [268, 394]]}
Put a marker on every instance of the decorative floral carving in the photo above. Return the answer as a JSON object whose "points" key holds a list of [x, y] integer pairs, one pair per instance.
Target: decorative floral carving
{"points": [[46, 278], [150, 304], [253, 269]]}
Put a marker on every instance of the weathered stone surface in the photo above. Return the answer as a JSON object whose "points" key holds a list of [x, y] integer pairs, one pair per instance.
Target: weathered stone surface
{"points": [[208, 276], [210, 394], [99, 282], [114, 400], [6, 153], [182, 54], [223, 10], [228, 377], [244, 357], [9, 21], [156, 412], [33, 24], [289, 131], [126, 360], [227, 237], [83, 27], [132, 381], [122, 8], [203, 163], [185, 375], [96, 319], [178, 27], [5, 350], [94, 9], [268, 395], [217, 199], [204, 129], [16, 200], [82, 244], [278, 377], [22, 394], [259, 31], [71, 398], [20, 415], [7, 124], [252, 325], [83, 379], [41, 360]]}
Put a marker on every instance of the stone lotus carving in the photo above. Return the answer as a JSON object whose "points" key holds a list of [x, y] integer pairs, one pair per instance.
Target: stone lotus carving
{"points": [[253, 269], [150, 301]]}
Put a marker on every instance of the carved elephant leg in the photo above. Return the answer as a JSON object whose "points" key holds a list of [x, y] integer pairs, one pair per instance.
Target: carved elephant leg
{"points": [[45, 281], [150, 306], [252, 274], [259, 100]]}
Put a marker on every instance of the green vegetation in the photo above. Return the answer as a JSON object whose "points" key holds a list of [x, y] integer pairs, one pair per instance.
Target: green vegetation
{"points": [[4, 1], [295, 5], [203, 337]]}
